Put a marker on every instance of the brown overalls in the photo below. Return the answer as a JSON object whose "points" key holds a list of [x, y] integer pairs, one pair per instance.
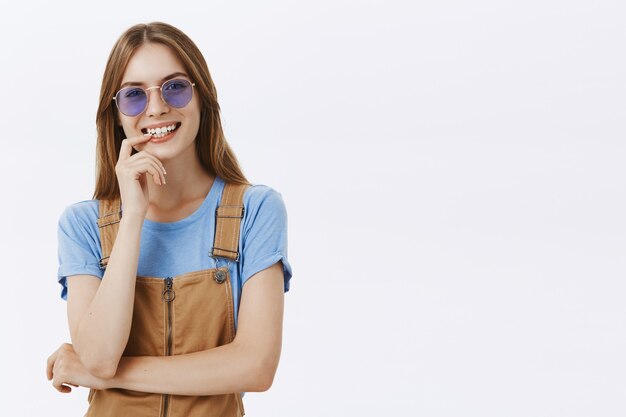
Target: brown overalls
{"points": [[177, 315]]}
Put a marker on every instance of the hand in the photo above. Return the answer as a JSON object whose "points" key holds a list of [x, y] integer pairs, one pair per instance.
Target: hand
{"points": [[65, 368], [132, 175]]}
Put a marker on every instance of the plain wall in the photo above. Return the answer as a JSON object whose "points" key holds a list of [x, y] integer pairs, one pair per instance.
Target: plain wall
{"points": [[453, 173]]}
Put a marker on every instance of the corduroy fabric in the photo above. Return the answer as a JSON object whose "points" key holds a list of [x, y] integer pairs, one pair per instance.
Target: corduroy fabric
{"points": [[198, 315]]}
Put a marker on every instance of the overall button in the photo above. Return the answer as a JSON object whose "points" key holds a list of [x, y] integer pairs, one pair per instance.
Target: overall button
{"points": [[220, 276]]}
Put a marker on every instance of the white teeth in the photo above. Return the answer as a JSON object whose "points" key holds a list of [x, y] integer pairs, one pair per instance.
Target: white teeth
{"points": [[161, 131]]}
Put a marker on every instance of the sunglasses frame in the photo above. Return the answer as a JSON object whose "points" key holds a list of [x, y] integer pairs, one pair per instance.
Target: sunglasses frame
{"points": [[148, 99]]}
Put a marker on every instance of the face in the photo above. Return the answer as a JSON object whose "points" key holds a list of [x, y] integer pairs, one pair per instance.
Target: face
{"points": [[174, 129]]}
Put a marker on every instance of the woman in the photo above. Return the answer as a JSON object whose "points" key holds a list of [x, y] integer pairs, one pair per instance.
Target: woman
{"points": [[174, 273]]}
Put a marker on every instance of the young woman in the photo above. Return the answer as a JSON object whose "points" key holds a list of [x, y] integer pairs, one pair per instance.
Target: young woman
{"points": [[175, 272]]}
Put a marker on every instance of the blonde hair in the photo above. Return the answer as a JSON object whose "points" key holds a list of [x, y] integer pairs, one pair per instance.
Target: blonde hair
{"points": [[214, 153]]}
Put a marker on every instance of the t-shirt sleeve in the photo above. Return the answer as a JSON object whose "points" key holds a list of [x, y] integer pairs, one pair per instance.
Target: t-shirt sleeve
{"points": [[78, 243], [264, 233]]}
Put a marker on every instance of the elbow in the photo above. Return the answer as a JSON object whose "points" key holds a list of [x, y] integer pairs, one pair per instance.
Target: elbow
{"points": [[257, 365], [99, 359], [262, 377], [102, 371], [101, 368], [262, 383]]}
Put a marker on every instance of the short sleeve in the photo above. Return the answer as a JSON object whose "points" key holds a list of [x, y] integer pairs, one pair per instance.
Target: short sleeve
{"points": [[78, 243], [264, 233]]}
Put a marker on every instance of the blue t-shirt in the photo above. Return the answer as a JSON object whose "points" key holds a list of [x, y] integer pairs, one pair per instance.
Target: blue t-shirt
{"points": [[175, 248]]}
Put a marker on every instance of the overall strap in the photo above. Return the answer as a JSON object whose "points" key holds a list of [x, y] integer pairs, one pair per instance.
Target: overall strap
{"points": [[110, 214], [228, 222]]}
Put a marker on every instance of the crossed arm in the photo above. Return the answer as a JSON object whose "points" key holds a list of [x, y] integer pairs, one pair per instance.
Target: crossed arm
{"points": [[245, 365]]}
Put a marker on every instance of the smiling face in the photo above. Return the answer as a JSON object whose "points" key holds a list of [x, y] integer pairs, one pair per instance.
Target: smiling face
{"points": [[174, 129]]}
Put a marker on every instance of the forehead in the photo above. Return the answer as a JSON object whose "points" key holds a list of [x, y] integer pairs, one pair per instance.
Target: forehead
{"points": [[150, 63]]}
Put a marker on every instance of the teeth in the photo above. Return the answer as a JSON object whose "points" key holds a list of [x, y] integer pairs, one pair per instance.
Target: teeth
{"points": [[161, 131]]}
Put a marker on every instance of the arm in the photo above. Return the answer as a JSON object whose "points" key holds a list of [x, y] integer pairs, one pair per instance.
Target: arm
{"points": [[100, 313], [247, 364]]}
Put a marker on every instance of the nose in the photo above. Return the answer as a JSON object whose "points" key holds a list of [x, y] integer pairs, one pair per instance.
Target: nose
{"points": [[156, 105]]}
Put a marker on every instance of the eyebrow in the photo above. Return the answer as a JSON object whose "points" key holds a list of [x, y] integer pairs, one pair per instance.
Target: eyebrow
{"points": [[169, 77]]}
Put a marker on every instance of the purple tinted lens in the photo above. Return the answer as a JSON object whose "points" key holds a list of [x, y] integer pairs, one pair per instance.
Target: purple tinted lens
{"points": [[131, 100], [177, 93]]}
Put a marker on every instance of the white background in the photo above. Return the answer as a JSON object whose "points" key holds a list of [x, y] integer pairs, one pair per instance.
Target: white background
{"points": [[453, 173]]}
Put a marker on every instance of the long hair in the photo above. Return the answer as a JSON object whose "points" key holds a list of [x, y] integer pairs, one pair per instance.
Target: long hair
{"points": [[214, 153]]}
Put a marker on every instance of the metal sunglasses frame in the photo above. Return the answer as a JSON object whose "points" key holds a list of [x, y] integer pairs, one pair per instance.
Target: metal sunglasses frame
{"points": [[160, 87]]}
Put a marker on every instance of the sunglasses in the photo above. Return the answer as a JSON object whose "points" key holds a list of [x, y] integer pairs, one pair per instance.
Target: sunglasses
{"points": [[132, 101]]}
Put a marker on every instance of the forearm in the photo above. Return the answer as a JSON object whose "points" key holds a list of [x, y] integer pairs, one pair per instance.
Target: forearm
{"points": [[222, 370], [103, 331]]}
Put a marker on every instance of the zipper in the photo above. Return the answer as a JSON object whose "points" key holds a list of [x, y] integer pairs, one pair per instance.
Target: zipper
{"points": [[168, 296]]}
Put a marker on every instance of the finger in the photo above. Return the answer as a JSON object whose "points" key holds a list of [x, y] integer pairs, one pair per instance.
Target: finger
{"points": [[159, 165], [58, 385], [150, 167], [148, 155], [128, 143], [65, 389], [50, 365]]}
